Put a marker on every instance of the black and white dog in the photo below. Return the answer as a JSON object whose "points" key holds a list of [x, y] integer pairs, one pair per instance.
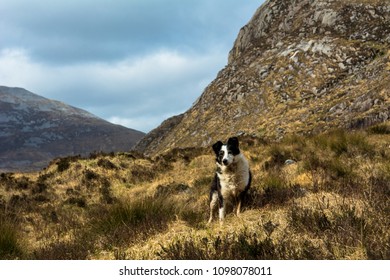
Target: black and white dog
{"points": [[232, 179]]}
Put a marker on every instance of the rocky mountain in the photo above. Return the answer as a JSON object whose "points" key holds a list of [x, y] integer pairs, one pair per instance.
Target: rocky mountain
{"points": [[34, 130], [297, 67]]}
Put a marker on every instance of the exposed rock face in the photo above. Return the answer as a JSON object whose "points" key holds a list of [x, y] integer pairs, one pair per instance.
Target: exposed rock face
{"points": [[35, 130], [297, 67], [277, 21]]}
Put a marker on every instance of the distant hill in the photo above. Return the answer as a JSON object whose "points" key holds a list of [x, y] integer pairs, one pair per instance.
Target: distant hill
{"points": [[297, 67], [34, 130]]}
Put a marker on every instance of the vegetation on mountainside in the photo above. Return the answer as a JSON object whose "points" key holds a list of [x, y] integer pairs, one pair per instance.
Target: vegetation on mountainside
{"points": [[298, 67], [315, 197]]}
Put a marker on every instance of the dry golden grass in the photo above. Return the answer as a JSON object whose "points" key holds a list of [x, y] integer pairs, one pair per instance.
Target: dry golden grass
{"points": [[332, 202]]}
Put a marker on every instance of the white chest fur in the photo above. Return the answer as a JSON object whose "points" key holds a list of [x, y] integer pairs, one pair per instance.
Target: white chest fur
{"points": [[235, 177]]}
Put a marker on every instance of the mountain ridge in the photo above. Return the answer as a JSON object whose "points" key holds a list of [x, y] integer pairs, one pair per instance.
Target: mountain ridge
{"points": [[35, 130], [297, 67]]}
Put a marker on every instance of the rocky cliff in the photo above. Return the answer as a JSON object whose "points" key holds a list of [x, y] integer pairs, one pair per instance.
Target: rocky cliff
{"points": [[297, 67], [34, 130]]}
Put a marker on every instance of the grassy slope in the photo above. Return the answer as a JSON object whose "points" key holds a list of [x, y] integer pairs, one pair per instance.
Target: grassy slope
{"points": [[332, 203]]}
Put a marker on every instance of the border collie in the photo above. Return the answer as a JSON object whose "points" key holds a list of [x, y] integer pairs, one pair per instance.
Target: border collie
{"points": [[232, 179]]}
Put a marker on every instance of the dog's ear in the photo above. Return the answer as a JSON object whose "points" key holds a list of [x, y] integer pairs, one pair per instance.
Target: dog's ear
{"points": [[233, 145], [217, 147]]}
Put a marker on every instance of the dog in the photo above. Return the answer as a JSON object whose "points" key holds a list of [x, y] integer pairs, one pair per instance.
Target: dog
{"points": [[232, 179]]}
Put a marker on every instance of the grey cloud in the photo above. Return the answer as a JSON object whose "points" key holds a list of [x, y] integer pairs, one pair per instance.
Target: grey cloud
{"points": [[133, 62], [72, 31]]}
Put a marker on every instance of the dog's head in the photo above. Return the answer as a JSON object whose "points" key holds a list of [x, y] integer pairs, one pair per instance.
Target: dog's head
{"points": [[226, 152]]}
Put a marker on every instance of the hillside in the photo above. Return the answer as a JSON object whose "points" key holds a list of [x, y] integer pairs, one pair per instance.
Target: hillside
{"points": [[317, 197], [35, 130], [297, 67]]}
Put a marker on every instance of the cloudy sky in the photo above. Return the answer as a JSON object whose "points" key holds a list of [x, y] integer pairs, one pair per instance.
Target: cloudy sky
{"points": [[131, 62]]}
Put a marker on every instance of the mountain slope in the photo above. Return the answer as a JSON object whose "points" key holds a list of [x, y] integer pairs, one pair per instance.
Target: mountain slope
{"points": [[34, 130], [297, 67]]}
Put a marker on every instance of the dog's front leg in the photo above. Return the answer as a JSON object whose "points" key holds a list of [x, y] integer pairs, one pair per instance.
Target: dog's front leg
{"points": [[211, 215], [213, 203], [222, 213], [238, 210]]}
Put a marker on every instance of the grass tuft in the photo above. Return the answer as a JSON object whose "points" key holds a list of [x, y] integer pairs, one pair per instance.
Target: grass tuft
{"points": [[126, 222], [10, 239]]}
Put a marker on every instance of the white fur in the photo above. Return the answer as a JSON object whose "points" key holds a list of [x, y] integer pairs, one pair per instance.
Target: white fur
{"points": [[234, 180], [227, 156]]}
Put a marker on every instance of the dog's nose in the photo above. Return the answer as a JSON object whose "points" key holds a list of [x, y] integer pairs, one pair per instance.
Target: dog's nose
{"points": [[225, 162]]}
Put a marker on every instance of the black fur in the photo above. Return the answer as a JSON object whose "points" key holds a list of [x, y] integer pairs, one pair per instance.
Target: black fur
{"points": [[216, 187], [217, 148], [233, 146]]}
